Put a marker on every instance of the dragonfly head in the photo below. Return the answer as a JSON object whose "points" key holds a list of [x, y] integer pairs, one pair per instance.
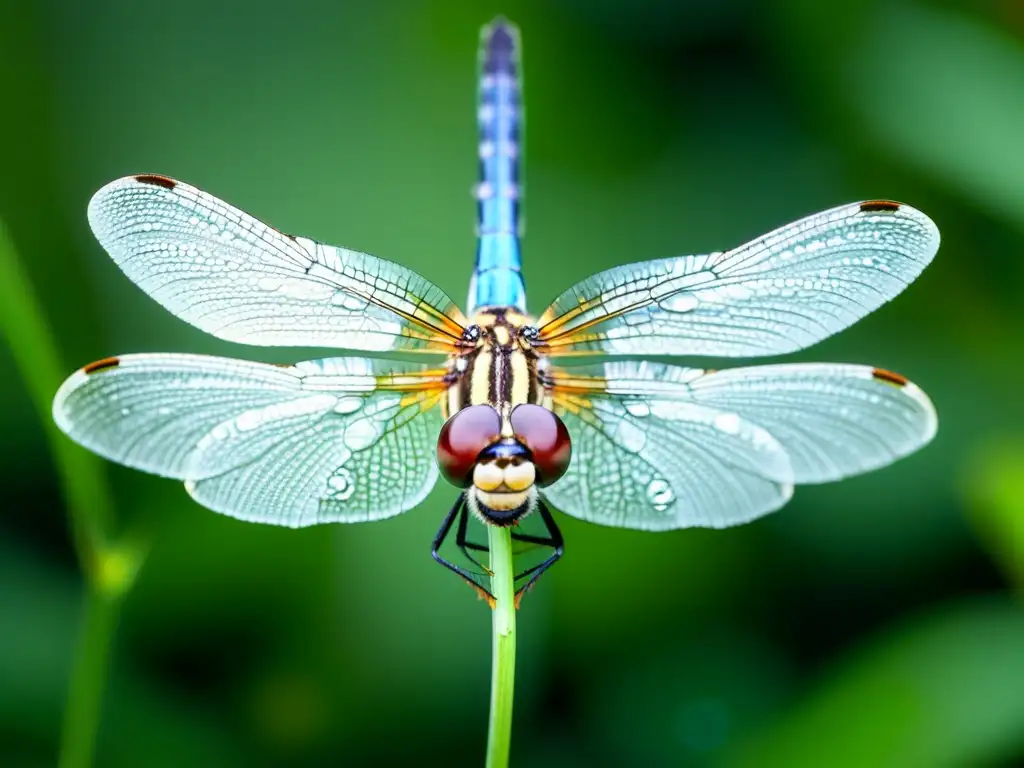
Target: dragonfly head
{"points": [[502, 468], [504, 482]]}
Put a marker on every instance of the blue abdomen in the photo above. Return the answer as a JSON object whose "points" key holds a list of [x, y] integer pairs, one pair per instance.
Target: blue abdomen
{"points": [[497, 279]]}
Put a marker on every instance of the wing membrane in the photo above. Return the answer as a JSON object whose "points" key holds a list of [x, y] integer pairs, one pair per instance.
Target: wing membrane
{"points": [[782, 292], [336, 440], [658, 464], [831, 420], [234, 277]]}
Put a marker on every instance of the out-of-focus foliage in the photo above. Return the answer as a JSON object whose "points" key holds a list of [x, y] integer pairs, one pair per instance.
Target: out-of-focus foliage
{"points": [[995, 497], [911, 698], [873, 622]]}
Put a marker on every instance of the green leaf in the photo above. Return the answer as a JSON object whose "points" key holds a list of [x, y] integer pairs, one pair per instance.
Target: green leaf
{"points": [[943, 92], [995, 496], [942, 691], [23, 324]]}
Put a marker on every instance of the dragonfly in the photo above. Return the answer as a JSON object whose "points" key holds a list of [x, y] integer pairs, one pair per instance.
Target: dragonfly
{"points": [[520, 413]]}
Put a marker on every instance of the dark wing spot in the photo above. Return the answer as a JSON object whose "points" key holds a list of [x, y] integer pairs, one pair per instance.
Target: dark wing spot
{"points": [[284, 234], [889, 377], [101, 365], [156, 181], [869, 206]]}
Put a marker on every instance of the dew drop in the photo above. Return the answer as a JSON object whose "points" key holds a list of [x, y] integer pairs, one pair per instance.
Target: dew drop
{"points": [[348, 301], [631, 436], [249, 420], [638, 408], [339, 485], [679, 302], [659, 494], [360, 434], [348, 405], [734, 292], [728, 423]]}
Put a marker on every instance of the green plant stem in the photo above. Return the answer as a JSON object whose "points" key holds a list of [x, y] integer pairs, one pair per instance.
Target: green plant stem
{"points": [[88, 678], [35, 355], [503, 660], [109, 567]]}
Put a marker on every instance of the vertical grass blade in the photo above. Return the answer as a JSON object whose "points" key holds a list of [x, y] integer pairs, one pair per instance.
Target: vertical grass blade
{"points": [[81, 474], [109, 569]]}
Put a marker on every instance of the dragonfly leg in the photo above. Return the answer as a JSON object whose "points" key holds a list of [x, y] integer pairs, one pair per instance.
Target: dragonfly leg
{"points": [[553, 540], [459, 508], [465, 545], [545, 541]]}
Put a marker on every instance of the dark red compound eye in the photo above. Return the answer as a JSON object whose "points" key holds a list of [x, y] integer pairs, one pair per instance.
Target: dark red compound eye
{"points": [[547, 438], [462, 438]]}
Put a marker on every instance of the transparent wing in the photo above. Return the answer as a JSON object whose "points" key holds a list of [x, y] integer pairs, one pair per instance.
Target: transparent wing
{"points": [[780, 293], [337, 440], [657, 464], [233, 276], [150, 411], [833, 420]]}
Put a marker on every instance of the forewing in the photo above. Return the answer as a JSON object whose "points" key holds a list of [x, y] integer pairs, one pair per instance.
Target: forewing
{"points": [[234, 277], [337, 440], [833, 420], [657, 464], [782, 292]]}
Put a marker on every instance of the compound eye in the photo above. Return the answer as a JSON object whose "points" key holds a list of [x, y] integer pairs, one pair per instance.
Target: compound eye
{"points": [[544, 434], [462, 439]]}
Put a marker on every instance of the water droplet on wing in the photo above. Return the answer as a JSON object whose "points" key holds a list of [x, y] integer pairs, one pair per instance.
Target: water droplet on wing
{"points": [[728, 423], [659, 494], [348, 404], [340, 485], [679, 302], [638, 408], [361, 434], [348, 301], [631, 436]]}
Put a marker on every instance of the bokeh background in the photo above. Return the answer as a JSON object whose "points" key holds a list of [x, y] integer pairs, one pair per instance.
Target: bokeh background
{"points": [[876, 622]]}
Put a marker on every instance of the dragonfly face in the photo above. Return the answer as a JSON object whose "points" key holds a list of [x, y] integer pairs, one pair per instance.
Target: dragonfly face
{"points": [[501, 410], [502, 461]]}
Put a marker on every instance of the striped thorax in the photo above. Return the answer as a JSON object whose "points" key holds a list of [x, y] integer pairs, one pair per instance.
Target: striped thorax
{"points": [[499, 367]]}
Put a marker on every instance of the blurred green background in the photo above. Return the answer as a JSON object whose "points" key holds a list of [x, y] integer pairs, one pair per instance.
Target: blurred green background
{"points": [[876, 622]]}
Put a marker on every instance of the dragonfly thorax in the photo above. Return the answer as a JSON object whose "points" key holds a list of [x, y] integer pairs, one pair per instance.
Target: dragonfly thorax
{"points": [[497, 364]]}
